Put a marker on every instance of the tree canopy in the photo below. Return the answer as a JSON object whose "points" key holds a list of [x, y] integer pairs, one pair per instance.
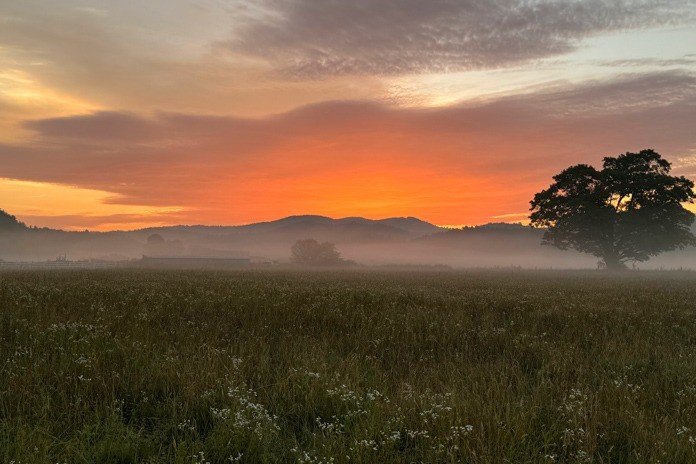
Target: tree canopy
{"points": [[310, 252], [9, 222], [155, 239], [630, 210]]}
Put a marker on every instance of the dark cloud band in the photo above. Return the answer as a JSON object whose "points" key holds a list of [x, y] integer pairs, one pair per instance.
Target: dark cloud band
{"points": [[310, 39]]}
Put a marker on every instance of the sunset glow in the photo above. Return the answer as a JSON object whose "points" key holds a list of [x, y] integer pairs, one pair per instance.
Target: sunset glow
{"points": [[117, 116], [38, 203]]}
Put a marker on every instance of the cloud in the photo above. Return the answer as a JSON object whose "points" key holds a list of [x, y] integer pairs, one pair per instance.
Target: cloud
{"points": [[459, 164], [101, 222], [126, 56], [686, 61], [310, 39]]}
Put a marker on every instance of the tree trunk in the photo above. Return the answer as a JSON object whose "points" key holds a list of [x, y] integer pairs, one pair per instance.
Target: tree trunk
{"points": [[614, 263]]}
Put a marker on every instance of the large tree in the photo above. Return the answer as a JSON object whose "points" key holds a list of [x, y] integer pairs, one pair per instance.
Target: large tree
{"points": [[629, 211]]}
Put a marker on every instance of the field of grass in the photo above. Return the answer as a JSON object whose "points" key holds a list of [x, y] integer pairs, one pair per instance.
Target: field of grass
{"points": [[347, 367]]}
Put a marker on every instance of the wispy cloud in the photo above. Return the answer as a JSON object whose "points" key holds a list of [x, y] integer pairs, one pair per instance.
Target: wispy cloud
{"points": [[126, 55], [310, 39], [686, 61]]}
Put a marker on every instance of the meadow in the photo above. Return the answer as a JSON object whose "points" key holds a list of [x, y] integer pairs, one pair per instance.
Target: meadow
{"points": [[119, 366]]}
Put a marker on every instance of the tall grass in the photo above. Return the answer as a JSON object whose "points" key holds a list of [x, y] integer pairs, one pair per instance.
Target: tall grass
{"points": [[347, 367]]}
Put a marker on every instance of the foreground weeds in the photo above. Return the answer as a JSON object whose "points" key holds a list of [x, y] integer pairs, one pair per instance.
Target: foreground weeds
{"points": [[347, 367]]}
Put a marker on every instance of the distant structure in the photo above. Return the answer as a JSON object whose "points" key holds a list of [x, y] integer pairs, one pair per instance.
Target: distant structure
{"points": [[194, 262], [61, 262]]}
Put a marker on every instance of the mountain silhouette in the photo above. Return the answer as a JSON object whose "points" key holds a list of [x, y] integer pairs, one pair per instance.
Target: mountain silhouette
{"points": [[343, 230], [397, 240]]}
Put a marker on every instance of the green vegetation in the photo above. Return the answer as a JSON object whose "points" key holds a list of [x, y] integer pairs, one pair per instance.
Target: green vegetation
{"points": [[506, 366]]}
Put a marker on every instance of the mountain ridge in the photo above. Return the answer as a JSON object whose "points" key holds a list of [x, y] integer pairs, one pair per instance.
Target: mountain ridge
{"points": [[397, 240], [400, 222]]}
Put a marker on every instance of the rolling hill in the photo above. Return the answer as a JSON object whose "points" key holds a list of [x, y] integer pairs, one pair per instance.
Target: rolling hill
{"points": [[397, 241]]}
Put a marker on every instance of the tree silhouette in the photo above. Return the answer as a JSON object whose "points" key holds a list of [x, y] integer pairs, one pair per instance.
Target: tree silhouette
{"points": [[9, 222], [155, 239], [311, 252], [630, 210], [156, 245]]}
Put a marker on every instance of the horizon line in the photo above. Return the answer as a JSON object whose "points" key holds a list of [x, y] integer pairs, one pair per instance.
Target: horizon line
{"points": [[163, 226]]}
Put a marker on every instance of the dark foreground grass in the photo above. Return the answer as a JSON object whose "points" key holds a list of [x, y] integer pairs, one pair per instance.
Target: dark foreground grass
{"points": [[518, 367]]}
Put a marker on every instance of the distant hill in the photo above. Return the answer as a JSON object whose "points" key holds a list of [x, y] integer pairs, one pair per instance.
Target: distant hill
{"points": [[412, 225], [339, 231], [272, 238], [494, 236], [390, 241]]}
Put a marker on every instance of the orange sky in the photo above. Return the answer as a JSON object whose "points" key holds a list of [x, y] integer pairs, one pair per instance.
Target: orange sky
{"points": [[120, 116]]}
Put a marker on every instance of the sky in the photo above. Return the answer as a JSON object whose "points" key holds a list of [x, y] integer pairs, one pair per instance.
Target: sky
{"points": [[121, 114]]}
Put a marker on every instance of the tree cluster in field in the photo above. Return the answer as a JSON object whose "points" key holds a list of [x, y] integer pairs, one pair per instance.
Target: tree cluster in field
{"points": [[630, 210], [156, 245], [309, 252]]}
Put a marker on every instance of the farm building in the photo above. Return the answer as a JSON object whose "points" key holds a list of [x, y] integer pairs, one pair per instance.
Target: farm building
{"points": [[193, 262]]}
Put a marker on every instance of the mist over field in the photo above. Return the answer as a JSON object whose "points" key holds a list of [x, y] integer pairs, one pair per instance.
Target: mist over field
{"points": [[395, 242]]}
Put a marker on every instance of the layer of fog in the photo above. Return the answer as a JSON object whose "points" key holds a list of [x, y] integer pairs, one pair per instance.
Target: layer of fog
{"points": [[396, 242]]}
